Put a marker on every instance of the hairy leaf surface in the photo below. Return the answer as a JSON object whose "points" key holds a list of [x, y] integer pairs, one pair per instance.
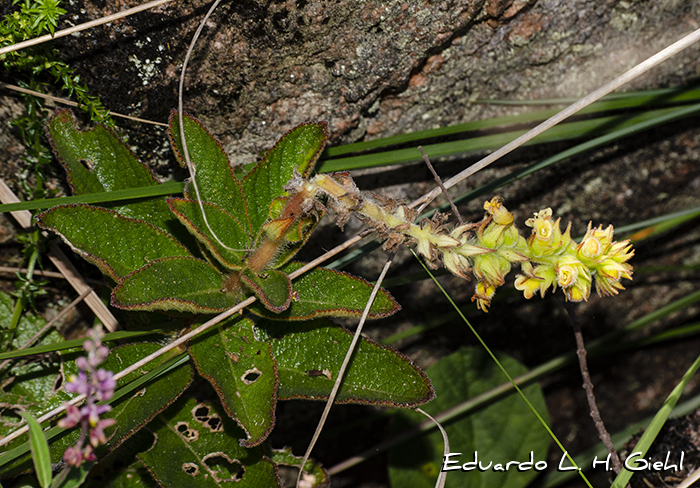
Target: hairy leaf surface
{"points": [[115, 244], [324, 292], [177, 284], [243, 373], [309, 355]]}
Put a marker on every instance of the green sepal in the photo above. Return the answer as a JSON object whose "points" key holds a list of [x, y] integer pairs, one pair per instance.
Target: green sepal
{"points": [[116, 244], [177, 284], [309, 355], [195, 446], [243, 373], [97, 161], [213, 173], [297, 150], [323, 292], [225, 226], [273, 288]]}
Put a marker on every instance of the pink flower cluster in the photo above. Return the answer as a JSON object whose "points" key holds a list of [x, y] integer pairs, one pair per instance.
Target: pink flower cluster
{"points": [[98, 385]]}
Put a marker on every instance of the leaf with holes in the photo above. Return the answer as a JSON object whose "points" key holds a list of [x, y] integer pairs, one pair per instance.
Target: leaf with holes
{"points": [[297, 150], [213, 173], [177, 284], [243, 373], [115, 244], [224, 225], [314, 475], [273, 288], [196, 446], [97, 161], [501, 432], [309, 355]]}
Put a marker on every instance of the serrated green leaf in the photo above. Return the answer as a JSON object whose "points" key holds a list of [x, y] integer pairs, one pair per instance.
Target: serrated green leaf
{"points": [[324, 292], [314, 475], [297, 150], [214, 175], [243, 373], [502, 432], [225, 226], [178, 284], [196, 446], [273, 288], [116, 244], [97, 161], [309, 355], [40, 450]]}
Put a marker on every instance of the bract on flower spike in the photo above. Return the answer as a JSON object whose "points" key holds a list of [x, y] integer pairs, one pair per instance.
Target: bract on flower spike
{"points": [[489, 249]]}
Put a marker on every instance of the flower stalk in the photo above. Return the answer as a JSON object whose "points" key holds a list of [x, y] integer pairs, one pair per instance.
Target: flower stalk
{"points": [[487, 249]]}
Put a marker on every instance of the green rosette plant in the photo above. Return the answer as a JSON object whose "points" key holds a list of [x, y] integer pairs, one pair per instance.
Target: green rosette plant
{"points": [[198, 255]]}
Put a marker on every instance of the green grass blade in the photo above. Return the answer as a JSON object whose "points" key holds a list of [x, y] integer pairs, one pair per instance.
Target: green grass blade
{"points": [[557, 478], [61, 346], [664, 118], [40, 450], [610, 102], [167, 188], [657, 423]]}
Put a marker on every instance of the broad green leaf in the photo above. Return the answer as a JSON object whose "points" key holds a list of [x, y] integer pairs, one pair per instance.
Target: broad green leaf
{"points": [[243, 373], [115, 244], [178, 284], [314, 475], [502, 432], [225, 226], [273, 288], [309, 355], [40, 450], [97, 161], [196, 446], [324, 292], [214, 175], [297, 150]]}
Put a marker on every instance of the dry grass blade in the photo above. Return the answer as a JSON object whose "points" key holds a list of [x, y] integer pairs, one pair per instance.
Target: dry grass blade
{"points": [[71, 103], [81, 27], [628, 76], [63, 264], [341, 373]]}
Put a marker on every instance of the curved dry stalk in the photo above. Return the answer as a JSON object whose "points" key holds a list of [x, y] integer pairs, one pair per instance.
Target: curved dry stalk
{"points": [[442, 477], [82, 27], [71, 103], [190, 167], [341, 373]]}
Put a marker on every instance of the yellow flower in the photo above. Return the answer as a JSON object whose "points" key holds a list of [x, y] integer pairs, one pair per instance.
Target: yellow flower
{"points": [[491, 268], [483, 294], [535, 279], [574, 278], [547, 238], [500, 214]]}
